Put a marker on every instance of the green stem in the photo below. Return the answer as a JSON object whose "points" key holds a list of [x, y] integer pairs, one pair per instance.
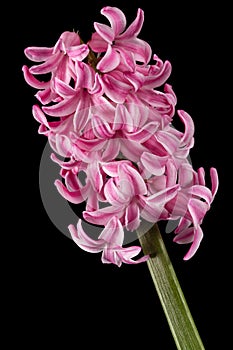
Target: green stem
{"points": [[169, 291]]}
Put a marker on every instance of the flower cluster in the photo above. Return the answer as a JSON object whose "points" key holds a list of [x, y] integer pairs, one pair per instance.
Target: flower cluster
{"points": [[113, 112]]}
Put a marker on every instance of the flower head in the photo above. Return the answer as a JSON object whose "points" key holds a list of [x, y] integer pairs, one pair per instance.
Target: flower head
{"points": [[113, 113]]}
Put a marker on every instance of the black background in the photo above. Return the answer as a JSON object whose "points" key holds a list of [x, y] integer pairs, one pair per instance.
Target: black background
{"points": [[63, 295]]}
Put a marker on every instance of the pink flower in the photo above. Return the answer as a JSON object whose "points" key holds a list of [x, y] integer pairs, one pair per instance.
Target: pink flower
{"points": [[109, 243], [191, 204], [58, 61], [118, 43]]}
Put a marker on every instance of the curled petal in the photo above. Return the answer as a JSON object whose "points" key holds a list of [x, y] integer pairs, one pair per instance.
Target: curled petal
{"points": [[132, 217], [97, 43], [113, 233], [38, 54], [85, 76], [116, 18], [198, 235], [39, 115], [32, 81], [78, 52], [116, 89], [127, 255], [101, 129], [113, 195], [153, 163], [135, 27], [110, 60], [189, 127], [119, 255], [48, 66], [103, 215], [75, 197], [197, 210], [132, 176], [63, 108], [105, 32], [144, 133], [140, 48], [112, 168], [202, 192], [214, 180], [84, 241]]}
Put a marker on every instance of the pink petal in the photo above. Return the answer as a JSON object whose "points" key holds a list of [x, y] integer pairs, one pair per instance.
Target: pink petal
{"points": [[109, 61], [75, 197], [198, 235], [85, 76], [114, 87], [96, 177], [116, 18], [110, 256], [214, 181], [123, 119], [126, 255], [197, 210], [90, 145], [153, 163], [38, 54], [140, 48], [144, 133], [101, 129], [105, 32], [63, 89], [83, 110], [111, 150], [47, 67], [135, 27], [132, 217], [39, 115], [134, 178], [112, 168], [136, 79], [202, 192], [189, 127], [69, 39], [103, 215], [201, 176], [63, 108], [32, 81], [168, 141], [158, 79], [113, 233], [153, 206], [183, 225], [97, 43], [127, 63], [132, 150], [46, 96], [186, 175], [113, 195], [78, 52], [185, 237], [84, 241], [63, 145]]}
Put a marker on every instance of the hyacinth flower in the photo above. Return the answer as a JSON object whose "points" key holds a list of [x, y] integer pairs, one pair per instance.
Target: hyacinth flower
{"points": [[107, 111]]}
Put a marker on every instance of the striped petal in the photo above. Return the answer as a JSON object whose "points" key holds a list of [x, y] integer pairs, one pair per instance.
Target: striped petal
{"points": [[110, 60], [116, 18], [32, 81], [38, 54], [135, 27], [105, 32], [84, 241]]}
